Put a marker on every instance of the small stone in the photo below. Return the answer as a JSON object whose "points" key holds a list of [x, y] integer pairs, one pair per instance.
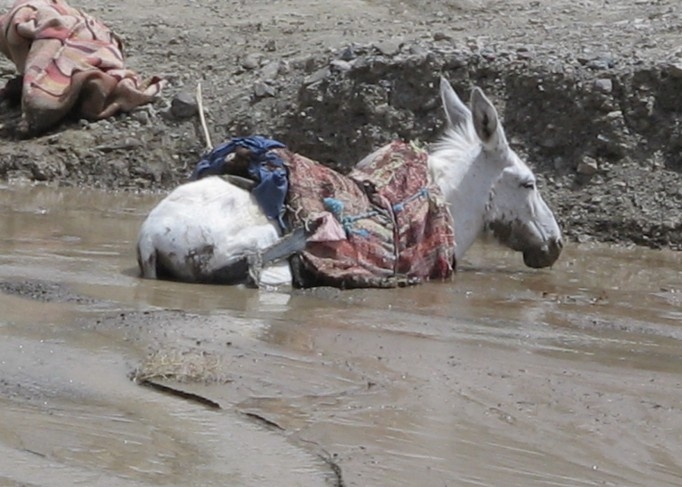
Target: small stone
{"points": [[252, 61], [141, 116], [418, 50], [600, 63], [184, 105], [318, 75], [388, 48], [310, 64], [271, 45], [587, 167], [524, 53], [348, 54], [488, 54], [284, 67], [441, 36], [339, 66], [604, 85], [263, 89], [549, 142], [614, 115], [271, 70]]}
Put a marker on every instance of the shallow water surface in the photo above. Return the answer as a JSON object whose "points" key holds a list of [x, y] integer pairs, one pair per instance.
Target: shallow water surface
{"points": [[502, 376]]}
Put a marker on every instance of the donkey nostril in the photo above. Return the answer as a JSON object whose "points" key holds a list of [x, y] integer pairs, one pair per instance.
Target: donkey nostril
{"points": [[556, 246]]}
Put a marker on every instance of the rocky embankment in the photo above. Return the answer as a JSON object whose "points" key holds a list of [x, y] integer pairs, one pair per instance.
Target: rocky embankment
{"points": [[601, 127]]}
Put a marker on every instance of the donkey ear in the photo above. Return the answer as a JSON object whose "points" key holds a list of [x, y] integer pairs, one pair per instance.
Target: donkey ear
{"points": [[455, 110], [486, 121]]}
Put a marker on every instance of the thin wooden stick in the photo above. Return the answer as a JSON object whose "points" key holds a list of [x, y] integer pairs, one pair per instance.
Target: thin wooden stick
{"points": [[200, 105]]}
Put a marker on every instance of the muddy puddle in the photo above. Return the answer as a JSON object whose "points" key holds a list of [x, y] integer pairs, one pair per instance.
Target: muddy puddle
{"points": [[504, 376]]}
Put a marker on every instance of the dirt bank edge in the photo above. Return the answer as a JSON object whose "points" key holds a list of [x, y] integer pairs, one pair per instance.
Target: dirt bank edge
{"points": [[603, 133]]}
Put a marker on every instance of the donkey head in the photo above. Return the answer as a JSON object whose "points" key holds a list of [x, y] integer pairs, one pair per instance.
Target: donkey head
{"points": [[514, 210], [515, 213]]}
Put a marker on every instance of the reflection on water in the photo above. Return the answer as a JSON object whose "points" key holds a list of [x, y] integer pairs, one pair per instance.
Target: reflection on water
{"points": [[502, 376]]}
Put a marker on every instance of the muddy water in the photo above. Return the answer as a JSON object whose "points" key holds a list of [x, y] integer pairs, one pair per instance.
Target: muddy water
{"points": [[503, 376]]}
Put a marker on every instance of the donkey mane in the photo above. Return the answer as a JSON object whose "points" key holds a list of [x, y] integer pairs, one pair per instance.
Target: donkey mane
{"points": [[456, 144]]}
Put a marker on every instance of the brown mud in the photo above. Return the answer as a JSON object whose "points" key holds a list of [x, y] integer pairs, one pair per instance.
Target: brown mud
{"points": [[501, 376]]}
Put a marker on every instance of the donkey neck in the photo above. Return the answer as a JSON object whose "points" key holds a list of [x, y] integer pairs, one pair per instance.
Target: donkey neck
{"points": [[465, 175]]}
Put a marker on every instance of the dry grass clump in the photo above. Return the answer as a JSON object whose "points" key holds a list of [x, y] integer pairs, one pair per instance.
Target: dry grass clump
{"points": [[181, 366]]}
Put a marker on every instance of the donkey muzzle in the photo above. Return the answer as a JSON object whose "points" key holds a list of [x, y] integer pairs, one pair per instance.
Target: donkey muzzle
{"points": [[544, 256]]}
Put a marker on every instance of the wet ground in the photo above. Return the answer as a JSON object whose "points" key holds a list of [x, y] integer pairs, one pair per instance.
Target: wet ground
{"points": [[504, 376]]}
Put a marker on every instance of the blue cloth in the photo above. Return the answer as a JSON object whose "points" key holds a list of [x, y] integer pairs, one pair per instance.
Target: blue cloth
{"points": [[265, 167]]}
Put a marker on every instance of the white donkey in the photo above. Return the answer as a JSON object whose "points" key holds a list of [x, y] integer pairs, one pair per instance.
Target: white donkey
{"points": [[205, 230]]}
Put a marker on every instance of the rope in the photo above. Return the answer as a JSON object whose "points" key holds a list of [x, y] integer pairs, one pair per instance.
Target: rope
{"points": [[335, 207], [398, 207]]}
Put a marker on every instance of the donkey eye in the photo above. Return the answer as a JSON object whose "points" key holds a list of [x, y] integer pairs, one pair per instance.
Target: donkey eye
{"points": [[530, 184]]}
